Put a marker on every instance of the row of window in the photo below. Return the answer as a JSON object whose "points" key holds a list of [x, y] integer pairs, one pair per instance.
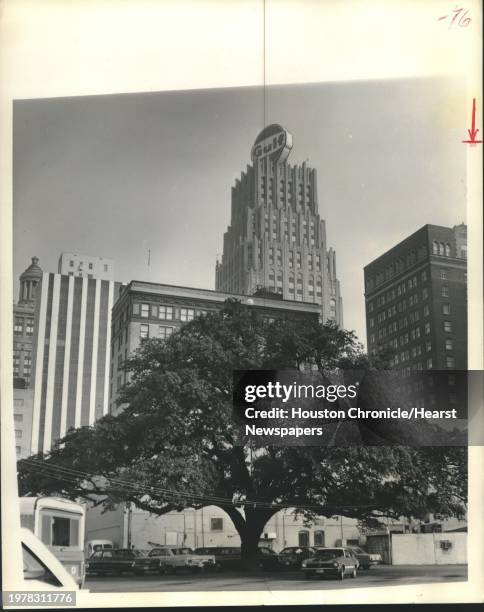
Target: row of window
{"points": [[416, 351], [163, 331], [20, 322], [414, 333], [90, 265], [165, 313]]}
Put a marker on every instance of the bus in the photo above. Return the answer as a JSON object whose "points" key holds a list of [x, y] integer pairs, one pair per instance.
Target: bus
{"points": [[59, 524]]}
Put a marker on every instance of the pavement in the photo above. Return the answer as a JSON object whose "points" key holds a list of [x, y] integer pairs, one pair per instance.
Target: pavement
{"points": [[382, 575]]}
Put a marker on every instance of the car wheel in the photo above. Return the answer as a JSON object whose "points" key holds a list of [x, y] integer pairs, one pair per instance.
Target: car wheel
{"points": [[353, 573], [342, 573]]}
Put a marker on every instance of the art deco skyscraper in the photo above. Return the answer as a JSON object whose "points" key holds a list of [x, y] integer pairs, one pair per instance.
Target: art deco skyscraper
{"points": [[276, 239]]}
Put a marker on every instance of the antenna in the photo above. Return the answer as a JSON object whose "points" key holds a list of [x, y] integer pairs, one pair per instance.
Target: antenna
{"points": [[149, 263]]}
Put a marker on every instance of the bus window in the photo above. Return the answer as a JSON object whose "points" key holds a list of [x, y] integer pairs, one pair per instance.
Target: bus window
{"points": [[60, 531]]}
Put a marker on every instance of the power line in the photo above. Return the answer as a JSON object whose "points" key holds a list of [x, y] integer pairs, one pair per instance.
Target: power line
{"points": [[72, 475]]}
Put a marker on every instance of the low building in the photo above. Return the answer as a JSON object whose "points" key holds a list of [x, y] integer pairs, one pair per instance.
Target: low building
{"points": [[128, 526], [153, 310]]}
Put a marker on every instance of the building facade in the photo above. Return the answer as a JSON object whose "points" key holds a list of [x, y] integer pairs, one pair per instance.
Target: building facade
{"points": [[71, 357], [152, 310], [416, 300], [23, 349], [128, 526], [89, 266], [23, 325], [276, 238]]}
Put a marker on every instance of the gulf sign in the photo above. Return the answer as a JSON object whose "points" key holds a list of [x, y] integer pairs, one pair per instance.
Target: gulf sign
{"points": [[274, 142]]}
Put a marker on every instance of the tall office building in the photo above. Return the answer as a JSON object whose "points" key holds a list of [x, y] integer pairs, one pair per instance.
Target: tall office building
{"points": [[416, 300], [23, 349], [276, 238], [71, 358], [86, 265]]}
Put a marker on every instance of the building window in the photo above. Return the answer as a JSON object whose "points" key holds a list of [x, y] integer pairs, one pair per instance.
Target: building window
{"points": [[424, 276], [18, 418], [18, 326], [425, 293], [443, 274], [29, 327], [187, 314], [105, 267], [18, 402], [71, 263], [449, 362], [445, 291], [426, 311], [216, 524], [303, 538], [165, 332], [166, 313], [446, 309], [18, 434], [448, 344], [447, 326], [145, 310], [429, 363], [144, 331], [319, 538], [90, 266], [427, 328]]}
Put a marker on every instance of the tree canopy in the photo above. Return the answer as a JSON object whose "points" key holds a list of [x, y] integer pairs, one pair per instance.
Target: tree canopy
{"points": [[173, 444]]}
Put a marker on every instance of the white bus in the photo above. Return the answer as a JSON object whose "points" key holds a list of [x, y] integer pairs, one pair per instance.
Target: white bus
{"points": [[59, 524]]}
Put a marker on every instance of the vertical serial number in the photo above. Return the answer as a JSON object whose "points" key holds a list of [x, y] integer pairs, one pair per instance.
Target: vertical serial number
{"points": [[40, 598]]}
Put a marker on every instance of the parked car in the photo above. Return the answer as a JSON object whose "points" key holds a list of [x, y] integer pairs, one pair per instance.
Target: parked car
{"points": [[172, 559], [42, 571], [226, 557], [365, 560], [119, 561], [293, 556], [332, 562], [230, 557], [268, 559]]}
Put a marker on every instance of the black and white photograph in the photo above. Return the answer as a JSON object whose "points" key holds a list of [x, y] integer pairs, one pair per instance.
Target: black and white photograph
{"points": [[242, 318]]}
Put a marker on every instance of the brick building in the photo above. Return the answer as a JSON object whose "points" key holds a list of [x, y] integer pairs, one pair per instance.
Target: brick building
{"points": [[152, 310], [416, 300]]}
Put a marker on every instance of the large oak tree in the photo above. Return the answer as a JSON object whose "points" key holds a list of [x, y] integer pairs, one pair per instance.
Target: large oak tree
{"points": [[174, 444]]}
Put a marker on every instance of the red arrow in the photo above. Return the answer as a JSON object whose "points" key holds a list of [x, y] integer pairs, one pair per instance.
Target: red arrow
{"points": [[473, 131]]}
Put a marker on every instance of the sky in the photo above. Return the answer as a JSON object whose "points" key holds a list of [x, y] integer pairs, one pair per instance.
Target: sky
{"points": [[119, 175]]}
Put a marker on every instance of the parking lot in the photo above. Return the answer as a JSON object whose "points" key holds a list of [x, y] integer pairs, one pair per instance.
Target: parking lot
{"points": [[289, 580]]}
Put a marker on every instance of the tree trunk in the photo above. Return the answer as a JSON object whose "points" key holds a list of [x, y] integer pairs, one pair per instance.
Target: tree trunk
{"points": [[250, 529]]}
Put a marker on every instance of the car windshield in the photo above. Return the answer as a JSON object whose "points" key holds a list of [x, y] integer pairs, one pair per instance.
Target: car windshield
{"points": [[358, 550], [328, 553], [291, 550], [181, 551]]}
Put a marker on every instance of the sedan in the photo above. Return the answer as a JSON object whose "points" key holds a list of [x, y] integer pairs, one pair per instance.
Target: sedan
{"points": [[330, 562], [293, 556], [364, 559], [119, 561]]}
